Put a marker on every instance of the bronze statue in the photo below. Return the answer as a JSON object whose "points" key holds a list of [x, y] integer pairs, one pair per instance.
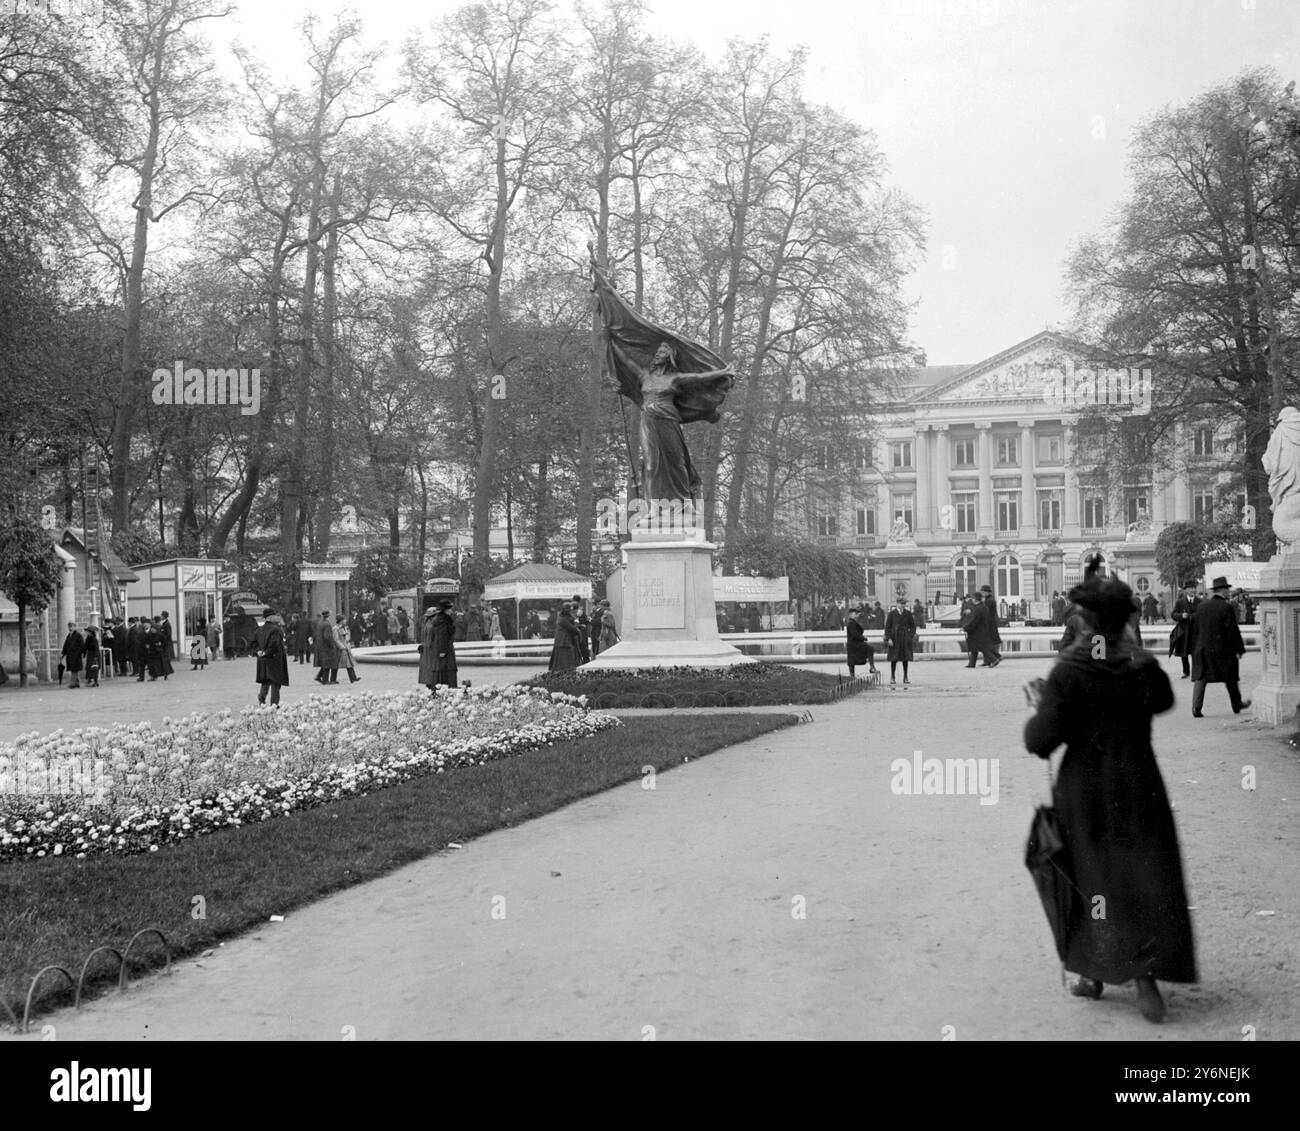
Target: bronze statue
{"points": [[674, 380]]}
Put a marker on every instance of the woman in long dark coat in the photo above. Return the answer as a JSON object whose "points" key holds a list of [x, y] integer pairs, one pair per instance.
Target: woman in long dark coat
{"points": [[272, 659], [900, 632], [444, 646], [567, 651], [153, 649], [859, 650], [1131, 921]]}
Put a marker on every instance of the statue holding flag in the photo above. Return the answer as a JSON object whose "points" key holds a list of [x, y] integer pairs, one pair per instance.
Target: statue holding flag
{"points": [[674, 380]]}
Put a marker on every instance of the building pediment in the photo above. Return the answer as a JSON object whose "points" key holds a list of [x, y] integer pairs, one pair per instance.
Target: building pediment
{"points": [[1024, 374]]}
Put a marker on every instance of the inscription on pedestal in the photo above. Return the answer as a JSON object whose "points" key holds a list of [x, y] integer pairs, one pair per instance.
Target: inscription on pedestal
{"points": [[660, 595]]}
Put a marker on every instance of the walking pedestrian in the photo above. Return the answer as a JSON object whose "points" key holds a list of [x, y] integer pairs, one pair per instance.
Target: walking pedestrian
{"points": [[394, 626], [859, 649], [153, 650], [344, 641], [327, 650], [900, 631], [214, 640], [272, 659], [91, 657], [1217, 648], [1112, 806], [438, 647], [981, 626], [135, 636], [608, 633], [1182, 639], [1059, 610], [918, 613], [302, 638], [165, 628], [74, 644], [1149, 608], [403, 625], [567, 650]]}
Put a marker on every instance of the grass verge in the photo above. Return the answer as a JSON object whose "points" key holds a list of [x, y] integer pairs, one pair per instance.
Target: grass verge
{"points": [[59, 910]]}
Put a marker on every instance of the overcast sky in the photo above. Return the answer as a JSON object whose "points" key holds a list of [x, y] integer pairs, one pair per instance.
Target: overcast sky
{"points": [[1008, 121]]}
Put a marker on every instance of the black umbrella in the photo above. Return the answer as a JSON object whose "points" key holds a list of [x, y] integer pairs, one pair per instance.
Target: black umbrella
{"points": [[1048, 859]]}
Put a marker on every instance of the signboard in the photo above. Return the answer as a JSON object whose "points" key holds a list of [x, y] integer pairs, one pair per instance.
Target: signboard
{"points": [[441, 587], [228, 579], [751, 589], [1240, 575], [198, 576], [536, 590]]}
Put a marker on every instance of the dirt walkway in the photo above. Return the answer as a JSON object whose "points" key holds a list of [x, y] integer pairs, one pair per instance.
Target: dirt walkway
{"points": [[675, 908]]}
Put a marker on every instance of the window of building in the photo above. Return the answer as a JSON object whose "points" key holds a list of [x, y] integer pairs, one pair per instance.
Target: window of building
{"points": [[901, 453], [828, 525], [822, 457], [1006, 504], [964, 511], [1006, 575], [963, 575], [1137, 503], [1094, 509], [1239, 501], [963, 452], [1051, 449], [1144, 585], [865, 520], [1049, 509], [902, 508], [1137, 440], [862, 454], [1008, 451], [1202, 506], [1203, 441]]}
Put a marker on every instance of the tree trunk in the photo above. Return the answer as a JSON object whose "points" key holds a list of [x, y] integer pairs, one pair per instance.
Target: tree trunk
{"points": [[130, 381], [589, 418], [325, 482], [485, 487], [22, 642], [237, 511]]}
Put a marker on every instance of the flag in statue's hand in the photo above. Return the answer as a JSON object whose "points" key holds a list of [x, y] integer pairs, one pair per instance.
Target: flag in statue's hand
{"points": [[630, 345]]}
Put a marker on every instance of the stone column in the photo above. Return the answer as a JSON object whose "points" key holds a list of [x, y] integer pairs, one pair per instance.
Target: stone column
{"points": [[1029, 513], [1070, 518], [1182, 501], [986, 520], [942, 487], [921, 457]]}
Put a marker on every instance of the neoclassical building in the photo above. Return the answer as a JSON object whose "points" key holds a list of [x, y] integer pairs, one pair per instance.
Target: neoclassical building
{"points": [[1005, 474]]}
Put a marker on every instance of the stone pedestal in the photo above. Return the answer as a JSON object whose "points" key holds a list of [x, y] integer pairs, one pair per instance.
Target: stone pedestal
{"points": [[668, 617], [1277, 695], [901, 571]]}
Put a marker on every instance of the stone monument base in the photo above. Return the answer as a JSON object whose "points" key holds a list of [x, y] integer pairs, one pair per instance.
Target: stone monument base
{"points": [[1277, 696], [669, 615]]}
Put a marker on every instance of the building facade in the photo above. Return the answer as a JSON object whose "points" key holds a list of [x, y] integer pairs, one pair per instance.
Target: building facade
{"points": [[1008, 473]]}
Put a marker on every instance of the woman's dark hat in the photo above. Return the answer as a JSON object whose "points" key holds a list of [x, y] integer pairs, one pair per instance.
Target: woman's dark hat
{"points": [[1220, 583], [986, 589], [1108, 600]]}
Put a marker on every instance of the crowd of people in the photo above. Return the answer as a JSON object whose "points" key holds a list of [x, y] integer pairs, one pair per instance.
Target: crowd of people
{"points": [[142, 647]]}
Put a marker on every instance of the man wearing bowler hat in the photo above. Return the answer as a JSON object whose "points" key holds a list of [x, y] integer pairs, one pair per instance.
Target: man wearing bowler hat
{"points": [[1217, 646]]}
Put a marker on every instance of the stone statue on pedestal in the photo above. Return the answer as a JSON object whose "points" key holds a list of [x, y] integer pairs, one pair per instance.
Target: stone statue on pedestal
{"points": [[900, 532], [1140, 530], [1282, 462], [673, 380]]}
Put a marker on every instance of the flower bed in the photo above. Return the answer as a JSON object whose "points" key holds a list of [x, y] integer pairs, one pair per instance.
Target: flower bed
{"points": [[740, 685], [131, 788]]}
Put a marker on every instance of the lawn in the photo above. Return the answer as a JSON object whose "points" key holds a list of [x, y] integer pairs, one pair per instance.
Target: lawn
{"points": [[57, 910], [742, 685]]}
